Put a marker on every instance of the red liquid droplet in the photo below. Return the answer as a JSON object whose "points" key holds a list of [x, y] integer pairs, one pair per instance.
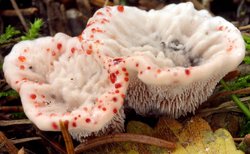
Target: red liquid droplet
{"points": [[112, 77], [120, 8]]}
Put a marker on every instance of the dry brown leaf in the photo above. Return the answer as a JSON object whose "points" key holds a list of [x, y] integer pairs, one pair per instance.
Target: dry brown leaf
{"points": [[194, 136]]}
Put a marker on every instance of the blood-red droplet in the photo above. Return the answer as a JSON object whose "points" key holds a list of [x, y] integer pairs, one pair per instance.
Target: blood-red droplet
{"points": [[80, 38], [123, 96], [22, 58], [117, 61], [53, 53], [87, 120], [114, 110], [220, 28], [124, 69], [187, 71], [73, 50], [112, 77], [126, 79], [114, 99], [22, 67], [33, 96], [54, 125], [120, 8], [148, 67], [104, 109], [118, 85], [89, 52], [59, 46], [99, 13], [136, 64], [74, 124]]}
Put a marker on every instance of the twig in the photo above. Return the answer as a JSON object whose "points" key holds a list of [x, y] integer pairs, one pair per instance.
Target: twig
{"points": [[224, 107], [100, 3], [67, 138], [14, 122], [49, 142], [1, 25], [19, 14], [247, 27], [11, 108], [239, 139], [9, 146], [106, 3], [85, 8], [197, 4], [241, 105], [25, 12], [227, 93], [126, 137], [23, 140]]}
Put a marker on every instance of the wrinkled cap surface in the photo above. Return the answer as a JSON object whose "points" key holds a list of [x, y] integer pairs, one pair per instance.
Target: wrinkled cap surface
{"points": [[175, 56], [57, 80]]}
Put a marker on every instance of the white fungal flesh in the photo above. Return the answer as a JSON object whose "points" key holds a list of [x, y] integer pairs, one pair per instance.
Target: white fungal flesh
{"points": [[57, 81], [175, 52]]}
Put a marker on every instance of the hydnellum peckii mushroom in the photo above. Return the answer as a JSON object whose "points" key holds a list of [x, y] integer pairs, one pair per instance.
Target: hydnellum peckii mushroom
{"points": [[167, 62], [58, 80], [174, 56]]}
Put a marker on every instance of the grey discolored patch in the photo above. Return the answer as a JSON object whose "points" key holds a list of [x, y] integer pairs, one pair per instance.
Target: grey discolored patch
{"points": [[176, 45]]}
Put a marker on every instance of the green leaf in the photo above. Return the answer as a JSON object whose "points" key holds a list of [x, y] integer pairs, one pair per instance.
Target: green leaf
{"points": [[241, 82], [8, 93], [246, 38], [247, 60], [9, 33], [34, 30], [247, 41]]}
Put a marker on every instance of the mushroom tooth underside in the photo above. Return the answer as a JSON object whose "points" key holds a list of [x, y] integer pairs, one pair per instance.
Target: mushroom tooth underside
{"points": [[116, 125], [173, 101]]}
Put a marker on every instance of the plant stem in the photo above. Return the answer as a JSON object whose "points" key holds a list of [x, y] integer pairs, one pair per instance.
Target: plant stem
{"points": [[124, 137], [237, 101]]}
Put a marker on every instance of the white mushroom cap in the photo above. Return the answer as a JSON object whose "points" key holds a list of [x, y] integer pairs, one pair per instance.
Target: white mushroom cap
{"points": [[174, 56], [57, 80]]}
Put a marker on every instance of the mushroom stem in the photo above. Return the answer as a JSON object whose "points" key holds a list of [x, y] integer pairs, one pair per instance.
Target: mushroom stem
{"points": [[125, 137], [241, 105]]}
